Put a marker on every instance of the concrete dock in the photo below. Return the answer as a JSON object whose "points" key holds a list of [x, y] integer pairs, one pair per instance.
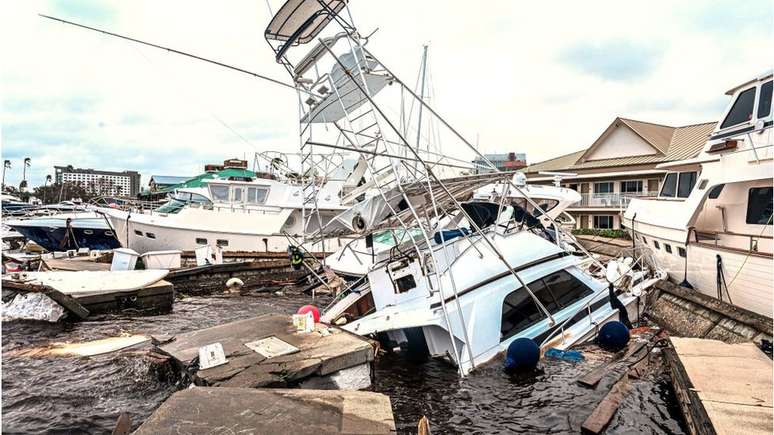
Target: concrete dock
{"points": [[322, 352], [722, 388], [210, 410]]}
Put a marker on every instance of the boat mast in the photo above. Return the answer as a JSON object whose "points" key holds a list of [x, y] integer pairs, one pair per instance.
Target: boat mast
{"points": [[422, 97]]}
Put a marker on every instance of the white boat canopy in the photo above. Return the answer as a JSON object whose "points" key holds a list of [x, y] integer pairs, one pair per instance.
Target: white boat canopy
{"points": [[374, 214], [299, 21]]}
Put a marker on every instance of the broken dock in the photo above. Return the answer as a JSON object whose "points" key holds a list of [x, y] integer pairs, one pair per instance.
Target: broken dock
{"points": [[722, 388], [322, 352], [271, 411]]}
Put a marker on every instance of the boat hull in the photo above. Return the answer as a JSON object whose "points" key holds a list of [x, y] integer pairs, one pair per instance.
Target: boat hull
{"points": [[58, 238]]}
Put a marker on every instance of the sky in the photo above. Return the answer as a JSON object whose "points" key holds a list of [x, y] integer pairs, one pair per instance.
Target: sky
{"points": [[541, 78]]}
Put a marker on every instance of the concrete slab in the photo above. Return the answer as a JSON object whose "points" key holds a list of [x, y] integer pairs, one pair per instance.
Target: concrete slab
{"points": [[321, 352], [732, 381], [271, 411]]}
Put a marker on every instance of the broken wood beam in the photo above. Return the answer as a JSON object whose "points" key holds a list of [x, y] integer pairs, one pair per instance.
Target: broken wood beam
{"points": [[603, 413]]}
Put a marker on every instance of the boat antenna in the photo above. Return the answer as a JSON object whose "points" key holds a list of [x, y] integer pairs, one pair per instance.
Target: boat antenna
{"points": [[215, 62]]}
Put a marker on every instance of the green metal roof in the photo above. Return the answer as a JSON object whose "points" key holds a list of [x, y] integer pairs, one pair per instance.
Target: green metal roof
{"points": [[202, 179]]}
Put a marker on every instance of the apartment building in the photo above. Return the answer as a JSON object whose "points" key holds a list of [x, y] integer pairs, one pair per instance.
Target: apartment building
{"points": [[124, 183], [620, 165]]}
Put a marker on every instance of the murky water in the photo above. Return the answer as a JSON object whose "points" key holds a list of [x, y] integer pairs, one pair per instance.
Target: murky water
{"points": [[86, 394]]}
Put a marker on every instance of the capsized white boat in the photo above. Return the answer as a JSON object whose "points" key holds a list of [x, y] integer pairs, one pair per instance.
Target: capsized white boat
{"points": [[89, 283]]}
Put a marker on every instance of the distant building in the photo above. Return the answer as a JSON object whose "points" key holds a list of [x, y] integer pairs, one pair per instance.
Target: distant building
{"points": [[124, 183], [504, 162], [625, 162], [230, 163], [160, 182]]}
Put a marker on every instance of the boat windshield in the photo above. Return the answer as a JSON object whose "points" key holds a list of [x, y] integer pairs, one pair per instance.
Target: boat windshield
{"points": [[178, 201]]}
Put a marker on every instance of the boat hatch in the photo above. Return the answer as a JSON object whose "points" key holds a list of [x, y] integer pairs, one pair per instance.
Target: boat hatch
{"points": [[299, 21]]}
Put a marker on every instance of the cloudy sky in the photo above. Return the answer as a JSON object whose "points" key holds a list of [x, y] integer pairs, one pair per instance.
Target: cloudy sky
{"points": [[543, 78]]}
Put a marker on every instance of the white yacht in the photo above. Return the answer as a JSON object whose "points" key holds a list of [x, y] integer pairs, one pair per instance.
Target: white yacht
{"points": [[474, 275], [711, 225], [239, 213]]}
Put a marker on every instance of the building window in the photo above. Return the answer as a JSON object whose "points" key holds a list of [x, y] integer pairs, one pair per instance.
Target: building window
{"points": [[668, 248], [759, 206], [606, 187], [631, 186], [603, 222], [742, 109], [764, 101], [655, 243], [681, 251]]}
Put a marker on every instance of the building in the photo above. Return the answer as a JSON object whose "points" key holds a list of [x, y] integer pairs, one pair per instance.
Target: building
{"points": [[161, 182], [504, 162], [124, 183], [618, 166]]}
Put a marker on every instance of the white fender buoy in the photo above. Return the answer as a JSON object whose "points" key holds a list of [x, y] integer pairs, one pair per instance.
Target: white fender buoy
{"points": [[234, 283]]}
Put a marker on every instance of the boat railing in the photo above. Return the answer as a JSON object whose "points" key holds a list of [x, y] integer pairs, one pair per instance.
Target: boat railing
{"points": [[756, 244]]}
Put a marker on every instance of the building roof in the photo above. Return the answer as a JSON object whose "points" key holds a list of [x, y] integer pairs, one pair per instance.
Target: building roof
{"points": [[671, 143], [168, 179]]}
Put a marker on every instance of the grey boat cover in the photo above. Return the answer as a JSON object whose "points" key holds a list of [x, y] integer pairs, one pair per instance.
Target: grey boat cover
{"points": [[294, 13]]}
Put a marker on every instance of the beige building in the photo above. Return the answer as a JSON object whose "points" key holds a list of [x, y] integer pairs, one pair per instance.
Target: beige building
{"points": [[618, 166]]}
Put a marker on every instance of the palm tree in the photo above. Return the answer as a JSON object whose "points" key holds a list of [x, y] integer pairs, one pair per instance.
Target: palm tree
{"points": [[27, 164], [48, 180], [6, 165]]}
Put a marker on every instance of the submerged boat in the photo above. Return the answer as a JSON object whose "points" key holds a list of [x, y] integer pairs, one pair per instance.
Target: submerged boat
{"points": [[473, 275], [711, 224]]}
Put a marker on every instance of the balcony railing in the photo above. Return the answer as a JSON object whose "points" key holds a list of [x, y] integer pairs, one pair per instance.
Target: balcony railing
{"points": [[609, 200]]}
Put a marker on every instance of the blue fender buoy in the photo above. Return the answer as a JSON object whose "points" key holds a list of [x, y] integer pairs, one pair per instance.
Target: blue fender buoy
{"points": [[523, 354], [613, 336]]}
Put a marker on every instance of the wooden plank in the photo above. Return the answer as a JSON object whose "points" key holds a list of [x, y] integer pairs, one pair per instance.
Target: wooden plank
{"points": [[592, 378], [76, 265], [605, 410]]}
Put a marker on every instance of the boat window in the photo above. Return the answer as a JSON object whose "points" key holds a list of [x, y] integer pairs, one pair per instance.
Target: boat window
{"points": [[603, 222], [219, 192], [686, 183], [715, 192], [566, 288], [764, 101], [150, 235], [655, 243], [681, 251], [759, 206], [138, 232], [644, 240], [222, 242], [742, 109], [519, 312], [703, 184], [200, 241], [668, 248], [237, 194], [670, 185], [109, 233], [631, 186], [88, 232], [257, 195], [545, 297]]}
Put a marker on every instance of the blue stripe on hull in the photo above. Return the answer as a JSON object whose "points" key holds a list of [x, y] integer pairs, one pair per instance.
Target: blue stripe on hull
{"points": [[51, 238]]}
